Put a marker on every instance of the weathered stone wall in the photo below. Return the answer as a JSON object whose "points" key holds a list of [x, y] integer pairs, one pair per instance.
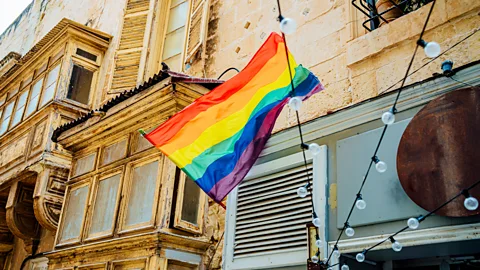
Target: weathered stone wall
{"points": [[351, 69]]}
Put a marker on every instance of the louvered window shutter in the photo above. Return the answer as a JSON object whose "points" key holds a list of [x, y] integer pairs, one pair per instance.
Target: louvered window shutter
{"points": [[129, 54], [197, 30], [270, 215]]}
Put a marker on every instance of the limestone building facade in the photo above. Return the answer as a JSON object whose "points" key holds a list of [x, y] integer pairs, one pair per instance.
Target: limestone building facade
{"points": [[81, 189]]}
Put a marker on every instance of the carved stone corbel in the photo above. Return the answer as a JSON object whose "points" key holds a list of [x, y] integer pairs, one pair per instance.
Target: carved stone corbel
{"points": [[19, 212], [49, 194]]}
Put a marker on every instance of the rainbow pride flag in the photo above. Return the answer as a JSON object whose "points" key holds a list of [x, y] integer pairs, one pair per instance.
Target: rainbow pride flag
{"points": [[218, 138]]}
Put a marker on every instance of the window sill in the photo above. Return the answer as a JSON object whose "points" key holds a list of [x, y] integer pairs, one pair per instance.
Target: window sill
{"points": [[403, 28]]}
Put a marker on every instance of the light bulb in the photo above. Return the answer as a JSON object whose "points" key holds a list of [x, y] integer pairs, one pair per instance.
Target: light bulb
{"points": [[318, 243], [314, 148], [316, 222], [336, 253], [396, 246], [302, 192], [432, 49], [471, 203], [349, 231], [360, 257], [361, 204], [315, 259], [413, 223], [345, 267], [288, 26], [388, 118], [381, 166], [295, 103]]}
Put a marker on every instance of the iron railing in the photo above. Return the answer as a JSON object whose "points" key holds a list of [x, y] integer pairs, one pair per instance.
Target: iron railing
{"points": [[368, 8]]}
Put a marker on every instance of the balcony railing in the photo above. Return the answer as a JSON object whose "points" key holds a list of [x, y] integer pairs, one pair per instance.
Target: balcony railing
{"points": [[379, 12]]}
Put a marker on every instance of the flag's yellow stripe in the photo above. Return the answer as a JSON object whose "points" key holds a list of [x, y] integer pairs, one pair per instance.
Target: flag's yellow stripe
{"points": [[196, 126], [227, 127]]}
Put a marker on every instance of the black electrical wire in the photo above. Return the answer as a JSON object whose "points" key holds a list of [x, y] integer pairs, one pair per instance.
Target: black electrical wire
{"points": [[433, 59], [299, 125], [227, 70]]}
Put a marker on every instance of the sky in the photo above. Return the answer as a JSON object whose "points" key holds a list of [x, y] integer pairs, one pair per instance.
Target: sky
{"points": [[10, 10]]}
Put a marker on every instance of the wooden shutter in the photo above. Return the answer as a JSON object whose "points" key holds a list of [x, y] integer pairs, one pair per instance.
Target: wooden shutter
{"points": [[197, 29], [128, 57], [270, 215]]}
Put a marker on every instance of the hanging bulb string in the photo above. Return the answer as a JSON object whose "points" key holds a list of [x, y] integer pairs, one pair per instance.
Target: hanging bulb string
{"points": [[299, 125], [413, 56], [385, 127], [422, 218]]}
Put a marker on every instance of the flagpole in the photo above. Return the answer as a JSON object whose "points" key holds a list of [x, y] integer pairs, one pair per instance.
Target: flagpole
{"points": [[222, 205]]}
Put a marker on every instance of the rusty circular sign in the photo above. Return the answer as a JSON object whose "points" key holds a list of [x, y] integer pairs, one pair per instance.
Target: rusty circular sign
{"points": [[439, 153]]}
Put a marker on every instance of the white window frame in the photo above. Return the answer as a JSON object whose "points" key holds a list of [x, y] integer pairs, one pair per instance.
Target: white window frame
{"points": [[275, 259]]}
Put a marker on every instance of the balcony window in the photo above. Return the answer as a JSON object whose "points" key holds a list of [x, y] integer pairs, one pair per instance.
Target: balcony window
{"points": [[7, 114], [22, 100], [80, 84], [50, 85], [175, 34], [189, 205], [124, 193], [73, 213], [34, 96]]}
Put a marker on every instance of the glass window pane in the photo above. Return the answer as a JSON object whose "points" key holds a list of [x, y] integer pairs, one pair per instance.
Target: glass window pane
{"points": [[191, 201], [142, 191], [174, 43], [174, 63], [32, 103], [89, 56], [7, 113], [22, 100], [50, 85], [105, 202], [72, 223], [84, 164], [114, 152], [80, 84], [142, 143], [177, 17]]}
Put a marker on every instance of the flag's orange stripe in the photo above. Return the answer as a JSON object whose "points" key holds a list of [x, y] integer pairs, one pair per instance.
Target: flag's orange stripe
{"points": [[204, 120], [168, 129]]}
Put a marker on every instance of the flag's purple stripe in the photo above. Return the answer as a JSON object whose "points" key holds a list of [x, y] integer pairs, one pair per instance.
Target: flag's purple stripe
{"points": [[248, 158], [251, 153]]}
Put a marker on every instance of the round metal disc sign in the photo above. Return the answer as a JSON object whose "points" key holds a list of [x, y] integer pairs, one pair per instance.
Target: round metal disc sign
{"points": [[439, 153]]}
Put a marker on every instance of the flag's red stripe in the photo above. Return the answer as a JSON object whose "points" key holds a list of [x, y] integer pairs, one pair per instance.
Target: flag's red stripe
{"points": [[167, 130]]}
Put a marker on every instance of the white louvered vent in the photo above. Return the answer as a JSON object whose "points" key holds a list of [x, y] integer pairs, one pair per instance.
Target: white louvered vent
{"points": [[270, 215]]}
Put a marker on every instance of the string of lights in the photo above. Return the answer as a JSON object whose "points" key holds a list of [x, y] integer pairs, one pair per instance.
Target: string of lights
{"points": [[288, 26], [432, 50], [413, 223]]}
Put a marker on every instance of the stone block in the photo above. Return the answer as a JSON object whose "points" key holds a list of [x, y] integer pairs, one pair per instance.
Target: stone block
{"points": [[364, 86], [455, 8], [332, 70]]}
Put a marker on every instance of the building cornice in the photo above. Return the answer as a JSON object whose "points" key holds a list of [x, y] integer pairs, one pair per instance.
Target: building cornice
{"points": [[412, 96], [64, 29]]}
